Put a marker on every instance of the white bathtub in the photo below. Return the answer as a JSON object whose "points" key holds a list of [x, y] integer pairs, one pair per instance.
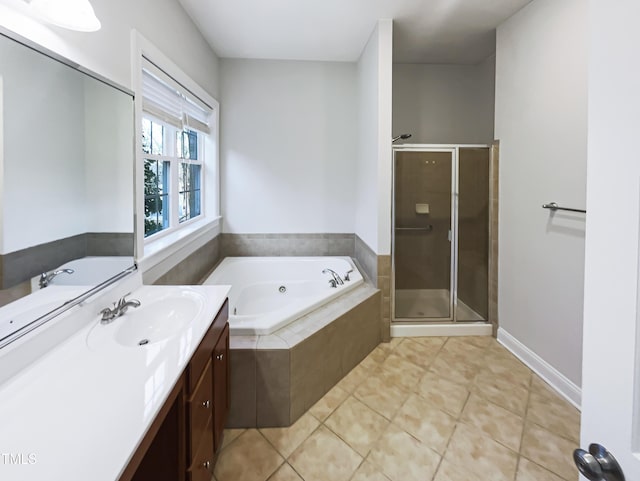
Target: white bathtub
{"points": [[268, 293], [88, 271]]}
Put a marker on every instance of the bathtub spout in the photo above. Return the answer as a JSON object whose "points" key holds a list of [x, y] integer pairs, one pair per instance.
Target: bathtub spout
{"points": [[336, 278]]}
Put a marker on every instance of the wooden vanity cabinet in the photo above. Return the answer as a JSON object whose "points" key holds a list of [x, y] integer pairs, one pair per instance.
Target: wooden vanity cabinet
{"points": [[183, 441]]}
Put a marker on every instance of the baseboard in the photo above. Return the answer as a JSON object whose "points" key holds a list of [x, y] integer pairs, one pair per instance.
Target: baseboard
{"points": [[566, 388], [458, 329]]}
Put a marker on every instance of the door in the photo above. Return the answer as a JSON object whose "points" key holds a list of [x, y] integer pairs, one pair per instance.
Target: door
{"points": [[423, 224], [611, 344]]}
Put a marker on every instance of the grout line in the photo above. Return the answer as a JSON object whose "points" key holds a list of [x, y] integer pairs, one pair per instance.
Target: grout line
{"points": [[524, 426]]}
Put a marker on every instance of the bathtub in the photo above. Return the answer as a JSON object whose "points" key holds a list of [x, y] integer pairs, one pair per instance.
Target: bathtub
{"points": [[268, 293], [88, 271]]}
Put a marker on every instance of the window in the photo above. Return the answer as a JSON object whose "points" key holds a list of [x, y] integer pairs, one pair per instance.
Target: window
{"points": [[175, 127]]}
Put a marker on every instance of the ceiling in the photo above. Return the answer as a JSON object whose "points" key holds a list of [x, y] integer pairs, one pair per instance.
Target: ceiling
{"points": [[425, 31]]}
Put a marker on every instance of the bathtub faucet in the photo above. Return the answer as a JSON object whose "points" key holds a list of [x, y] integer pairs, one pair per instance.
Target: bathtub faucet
{"points": [[47, 277], [337, 280]]}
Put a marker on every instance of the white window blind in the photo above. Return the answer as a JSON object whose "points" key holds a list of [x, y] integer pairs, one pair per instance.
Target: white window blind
{"points": [[166, 99]]}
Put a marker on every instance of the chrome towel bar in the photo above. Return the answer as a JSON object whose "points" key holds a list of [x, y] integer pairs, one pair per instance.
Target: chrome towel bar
{"points": [[553, 206], [428, 228]]}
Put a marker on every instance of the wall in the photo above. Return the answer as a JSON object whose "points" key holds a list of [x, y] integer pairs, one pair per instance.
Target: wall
{"points": [[108, 51], [444, 104], [288, 146], [373, 183], [541, 122], [42, 168]]}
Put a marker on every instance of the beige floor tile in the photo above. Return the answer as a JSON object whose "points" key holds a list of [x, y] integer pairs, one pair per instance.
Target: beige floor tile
{"points": [[402, 372], [402, 457], [454, 367], [555, 414], [329, 402], [510, 370], [501, 391], [428, 424], [470, 449], [378, 355], [232, 464], [369, 472], [286, 440], [442, 393], [478, 341], [450, 472], [434, 343], [494, 421], [230, 435], [464, 348], [357, 424], [418, 353], [285, 473], [549, 451], [529, 471], [391, 345], [324, 456], [382, 397], [355, 377]]}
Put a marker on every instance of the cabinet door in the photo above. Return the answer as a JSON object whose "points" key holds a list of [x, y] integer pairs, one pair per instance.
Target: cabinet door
{"points": [[220, 386]]}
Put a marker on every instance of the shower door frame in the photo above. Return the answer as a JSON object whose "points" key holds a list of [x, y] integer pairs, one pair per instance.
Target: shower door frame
{"points": [[454, 149]]}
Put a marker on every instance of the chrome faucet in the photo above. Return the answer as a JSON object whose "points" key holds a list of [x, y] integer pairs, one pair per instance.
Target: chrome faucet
{"points": [[346, 276], [47, 277], [119, 308], [337, 280]]}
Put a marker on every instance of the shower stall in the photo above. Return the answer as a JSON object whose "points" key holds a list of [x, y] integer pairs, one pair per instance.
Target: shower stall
{"points": [[440, 245]]}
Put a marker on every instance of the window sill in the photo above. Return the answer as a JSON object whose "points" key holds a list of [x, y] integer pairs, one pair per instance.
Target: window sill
{"points": [[159, 254]]}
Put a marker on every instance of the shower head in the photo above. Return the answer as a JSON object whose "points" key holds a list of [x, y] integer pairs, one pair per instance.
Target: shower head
{"points": [[400, 137]]}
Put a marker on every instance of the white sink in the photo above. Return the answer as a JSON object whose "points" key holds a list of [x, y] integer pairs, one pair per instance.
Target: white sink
{"points": [[160, 316]]}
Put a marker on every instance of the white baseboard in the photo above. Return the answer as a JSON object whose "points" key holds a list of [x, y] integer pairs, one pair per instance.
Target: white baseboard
{"points": [[423, 330], [542, 368]]}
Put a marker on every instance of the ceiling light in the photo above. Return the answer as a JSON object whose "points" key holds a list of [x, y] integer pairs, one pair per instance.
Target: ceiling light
{"points": [[72, 14]]}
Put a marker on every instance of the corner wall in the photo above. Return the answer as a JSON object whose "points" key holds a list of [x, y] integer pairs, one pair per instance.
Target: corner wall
{"points": [[541, 122]]}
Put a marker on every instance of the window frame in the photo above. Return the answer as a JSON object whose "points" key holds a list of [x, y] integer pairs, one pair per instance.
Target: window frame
{"points": [[159, 249], [169, 143]]}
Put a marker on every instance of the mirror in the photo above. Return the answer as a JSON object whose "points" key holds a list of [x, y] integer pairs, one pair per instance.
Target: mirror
{"points": [[66, 182]]}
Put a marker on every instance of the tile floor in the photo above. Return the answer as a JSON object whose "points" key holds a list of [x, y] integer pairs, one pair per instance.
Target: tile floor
{"points": [[441, 409]]}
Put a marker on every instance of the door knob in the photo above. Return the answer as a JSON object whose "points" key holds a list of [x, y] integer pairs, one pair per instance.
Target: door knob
{"points": [[597, 464]]}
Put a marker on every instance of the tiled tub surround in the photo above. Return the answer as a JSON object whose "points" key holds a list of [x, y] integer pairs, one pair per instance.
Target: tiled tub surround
{"points": [[20, 266], [262, 245], [419, 409], [276, 378]]}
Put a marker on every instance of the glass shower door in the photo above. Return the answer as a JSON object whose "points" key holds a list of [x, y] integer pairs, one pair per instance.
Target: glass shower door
{"points": [[472, 303], [423, 234]]}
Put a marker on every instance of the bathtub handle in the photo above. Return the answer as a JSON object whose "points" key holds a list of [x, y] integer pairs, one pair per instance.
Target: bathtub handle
{"points": [[333, 283], [346, 276]]}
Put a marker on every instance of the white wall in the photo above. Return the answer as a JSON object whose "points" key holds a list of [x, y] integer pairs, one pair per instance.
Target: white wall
{"points": [[444, 104], [109, 145], [373, 182], [108, 51], [541, 122], [42, 177], [288, 146]]}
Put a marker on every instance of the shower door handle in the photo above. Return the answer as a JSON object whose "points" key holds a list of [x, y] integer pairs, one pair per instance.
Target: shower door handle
{"points": [[449, 235]]}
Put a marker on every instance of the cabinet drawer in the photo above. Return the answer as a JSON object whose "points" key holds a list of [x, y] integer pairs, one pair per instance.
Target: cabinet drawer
{"points": [[205, 349], [202, 467], [200, 410]]}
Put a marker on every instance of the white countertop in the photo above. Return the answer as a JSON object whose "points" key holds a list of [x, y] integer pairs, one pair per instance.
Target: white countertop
{"points": [[79, 413]]}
